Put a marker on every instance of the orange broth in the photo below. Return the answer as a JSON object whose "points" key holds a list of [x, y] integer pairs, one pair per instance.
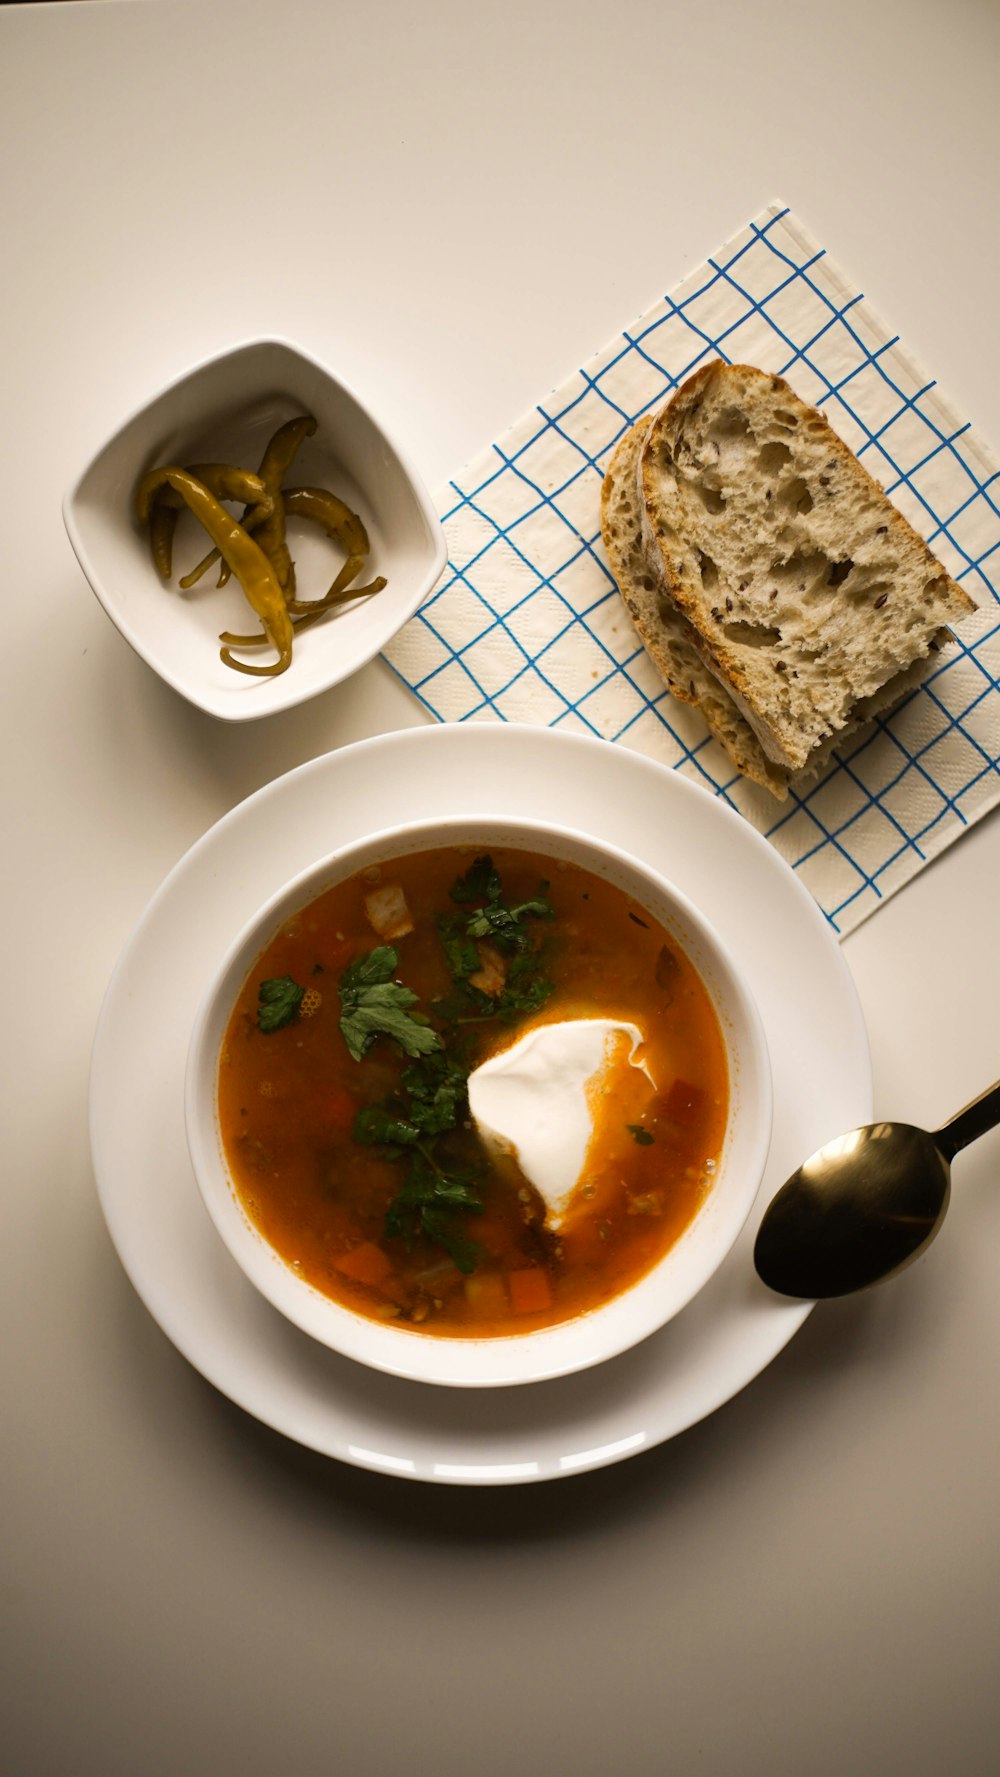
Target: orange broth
{"points": [[288, 1102]]}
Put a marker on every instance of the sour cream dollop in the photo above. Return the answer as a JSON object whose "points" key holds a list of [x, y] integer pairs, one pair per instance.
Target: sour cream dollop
{"points": [[535, 1100]]}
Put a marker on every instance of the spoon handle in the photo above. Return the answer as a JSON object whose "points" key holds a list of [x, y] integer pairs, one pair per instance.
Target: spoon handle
{"points": [[982, 1114]]}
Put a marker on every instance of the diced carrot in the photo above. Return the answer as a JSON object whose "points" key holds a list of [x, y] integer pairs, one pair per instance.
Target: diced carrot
{"points": [[366, 1263], [684, 1101], [530, 1290]]}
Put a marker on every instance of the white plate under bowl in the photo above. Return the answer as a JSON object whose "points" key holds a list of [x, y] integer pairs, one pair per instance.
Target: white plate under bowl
{"points": [[195, 1290], [225, 410]]}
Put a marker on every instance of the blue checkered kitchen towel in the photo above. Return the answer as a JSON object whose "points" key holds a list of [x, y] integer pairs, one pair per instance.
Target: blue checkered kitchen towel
{"points": [[526, 624]]}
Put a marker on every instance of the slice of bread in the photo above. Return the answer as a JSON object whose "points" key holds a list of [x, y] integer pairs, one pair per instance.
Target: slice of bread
{"points": [[670, 639], [663, 629], [808, 594]]}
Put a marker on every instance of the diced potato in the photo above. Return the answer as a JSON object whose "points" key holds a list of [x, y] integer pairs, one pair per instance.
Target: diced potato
{"points": [[487, 1294], [388, 912], [491, 976]]}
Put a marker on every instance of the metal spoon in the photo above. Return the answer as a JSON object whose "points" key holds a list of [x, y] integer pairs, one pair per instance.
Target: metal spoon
{"points": [[864, 1205]]}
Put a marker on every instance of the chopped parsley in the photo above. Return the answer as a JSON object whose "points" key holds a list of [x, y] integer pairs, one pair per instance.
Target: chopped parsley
{"points": [[501, 924], [460, 952], [423, 1124], [526, 986], [278, 1002], [428, 1203], [374, 1004], [432, 1100], [437, 1089], [481, 882]]}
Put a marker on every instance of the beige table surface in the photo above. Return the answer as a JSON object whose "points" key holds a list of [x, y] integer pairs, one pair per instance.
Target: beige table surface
{"points": [[456, 204]]}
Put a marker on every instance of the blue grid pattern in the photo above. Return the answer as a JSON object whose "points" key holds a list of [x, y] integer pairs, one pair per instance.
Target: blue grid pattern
{"points": [[526, 624]]}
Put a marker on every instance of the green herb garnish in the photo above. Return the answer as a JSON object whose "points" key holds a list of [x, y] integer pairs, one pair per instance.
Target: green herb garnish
{"points": [[640, 1135], [421, 1124], [374, 1004], [278, 1002], [526, 986], [377, 1124], [436, 1089], [460, 952], [427, 1204], [502, 924], [481, 882], [433, 1100]]}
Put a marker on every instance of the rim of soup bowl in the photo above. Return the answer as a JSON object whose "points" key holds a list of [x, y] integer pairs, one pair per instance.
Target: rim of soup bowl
{"points": [[589, 1338]]}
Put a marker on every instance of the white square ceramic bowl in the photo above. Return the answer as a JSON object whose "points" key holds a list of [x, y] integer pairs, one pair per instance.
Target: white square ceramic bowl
{"points": [[225, 410]]}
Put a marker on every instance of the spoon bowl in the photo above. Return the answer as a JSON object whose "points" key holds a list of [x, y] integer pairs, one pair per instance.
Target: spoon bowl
{"points": [[865, 1204]]}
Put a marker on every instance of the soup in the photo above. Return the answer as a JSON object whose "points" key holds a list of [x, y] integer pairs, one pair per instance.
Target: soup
{"points": [[472, 1095]]}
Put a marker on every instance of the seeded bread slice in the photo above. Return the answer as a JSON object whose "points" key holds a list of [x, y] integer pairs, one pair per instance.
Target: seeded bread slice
{"points": [[807, 592], [669, 638]]}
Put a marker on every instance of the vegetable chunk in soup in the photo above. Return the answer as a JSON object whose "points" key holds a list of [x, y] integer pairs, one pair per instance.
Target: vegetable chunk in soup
{"points": [[472, 1095]]}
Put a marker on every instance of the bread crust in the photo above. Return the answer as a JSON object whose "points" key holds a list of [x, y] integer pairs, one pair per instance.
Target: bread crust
{"points": [[663, 629]]}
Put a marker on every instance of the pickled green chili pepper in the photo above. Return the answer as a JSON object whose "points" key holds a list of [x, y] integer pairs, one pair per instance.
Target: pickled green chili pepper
{"points": [[317, 610], [319, 606], [269, 527], [346, 596], [325, 509], [281, 449], [188, 580], [202, 567], [339, 522], [162, 524], [222, 480], [238, 549]]}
